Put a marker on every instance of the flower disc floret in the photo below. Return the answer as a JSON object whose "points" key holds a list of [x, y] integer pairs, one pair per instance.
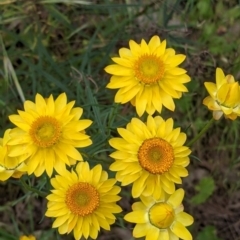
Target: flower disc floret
{"points": [[82, 199], [150, 155], [45, 131], [149, 69], [148, 76], [161, 215], [49, 131], [156, 155]]}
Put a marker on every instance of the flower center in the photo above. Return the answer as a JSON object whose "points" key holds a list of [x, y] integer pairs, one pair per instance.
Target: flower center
{"points": [[82, 199], [45, 131], [156, 155], [149, 68], [161, 215]]}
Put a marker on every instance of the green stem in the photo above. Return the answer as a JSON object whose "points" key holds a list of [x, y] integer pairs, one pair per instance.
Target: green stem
{"points": [[27, 187], [200, 134]]}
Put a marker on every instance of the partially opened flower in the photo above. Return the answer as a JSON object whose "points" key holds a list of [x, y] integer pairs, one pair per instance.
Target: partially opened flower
{"points": [[10, 166], [161, 218], [51, 131], [83, 201], [224, 96], [150, 155], [30, 237], [148, 76]]}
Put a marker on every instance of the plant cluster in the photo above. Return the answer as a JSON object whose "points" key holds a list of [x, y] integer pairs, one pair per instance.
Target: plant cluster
{"points": [[149, 153]]}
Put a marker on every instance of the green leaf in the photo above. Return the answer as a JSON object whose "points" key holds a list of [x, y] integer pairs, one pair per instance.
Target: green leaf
{"points": [[209, 232], [205, 189]]}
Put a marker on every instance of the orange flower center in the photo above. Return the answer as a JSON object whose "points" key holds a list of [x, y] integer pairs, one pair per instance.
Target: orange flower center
{"points": [[161, 215], [149, 68], [156, 155], [45, 131], [82, 199]]}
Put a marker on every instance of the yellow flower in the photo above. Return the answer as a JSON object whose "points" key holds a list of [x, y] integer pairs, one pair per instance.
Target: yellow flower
{"points": [[10, 166], [161, 218], [147, 75], [150, 156], [83, 201], [30, 237], [49, 131], [224, 96]]}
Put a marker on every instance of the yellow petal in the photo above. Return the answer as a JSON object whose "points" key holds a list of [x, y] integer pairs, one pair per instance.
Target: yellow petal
{"points": [[17, 120], [50, 110], [220, 77], [136, 216], [179, 230], [211, 88], [125, 53], [153, 233], [222, 93], [233, 97], [122, 61], [184, 218], [177, 71], [40, 104], [144, 47], [134, 47], [118, 70], [176, 198], [140, 230], [164, 235], [176, 60], [60, 221], [167, 101], [154, 43], [141, 101], [161, 49]]}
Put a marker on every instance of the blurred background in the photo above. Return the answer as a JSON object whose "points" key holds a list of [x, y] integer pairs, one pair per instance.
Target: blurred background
{"points": [[55, 46]]}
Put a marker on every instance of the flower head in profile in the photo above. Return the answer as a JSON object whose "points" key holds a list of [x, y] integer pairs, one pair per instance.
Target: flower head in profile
{"points": [[148, 76], [10, 165], [224, 96], [49, 131], [150, 155], [161, 218], [30, 237], [83, 201]]}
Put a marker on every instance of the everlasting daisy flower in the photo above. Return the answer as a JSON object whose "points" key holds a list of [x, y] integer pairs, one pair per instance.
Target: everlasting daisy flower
{"points": [[50, 132], [31, 237], [151, 156], [148, 76], [161, 219], [83, 201], [224, 96], [10, 166]]}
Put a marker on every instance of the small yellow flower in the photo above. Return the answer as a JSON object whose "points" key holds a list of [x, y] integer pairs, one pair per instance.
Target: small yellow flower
{"points": [[161, 218], [10, 165], [30, 237], [148, 76], [83, 201], [150, 155], [49, 131], [224, 96]]}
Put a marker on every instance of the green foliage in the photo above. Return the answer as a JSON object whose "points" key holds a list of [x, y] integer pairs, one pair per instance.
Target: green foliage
{"points": [[208, 233], [205, 189]]}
